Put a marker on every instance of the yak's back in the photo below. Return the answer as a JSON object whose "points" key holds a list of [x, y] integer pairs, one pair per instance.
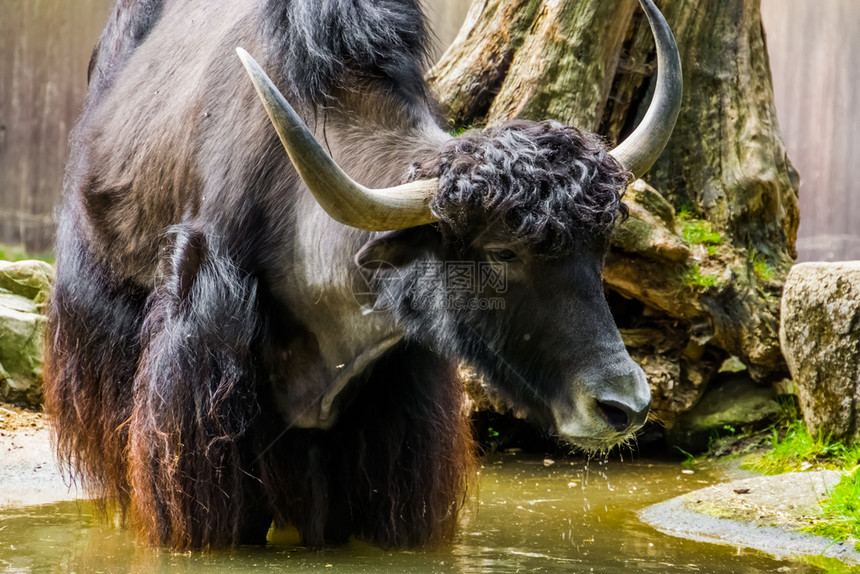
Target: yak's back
{"points": [[172, 120], [319, 42], [128, 26]]}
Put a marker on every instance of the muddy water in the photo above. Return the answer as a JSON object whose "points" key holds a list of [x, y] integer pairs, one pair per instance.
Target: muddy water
{"points": [[571, 516]]}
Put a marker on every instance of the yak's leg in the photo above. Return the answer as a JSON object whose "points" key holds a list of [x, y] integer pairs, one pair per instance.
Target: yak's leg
{"points": [[304, 484], [406, 446], [256, 514], [325, 518], [193, 471], [90, 359], [394, 469]]}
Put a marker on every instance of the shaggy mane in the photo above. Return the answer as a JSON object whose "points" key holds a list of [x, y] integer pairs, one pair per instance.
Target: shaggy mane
{"points": [[550, 186], [329, 44]]}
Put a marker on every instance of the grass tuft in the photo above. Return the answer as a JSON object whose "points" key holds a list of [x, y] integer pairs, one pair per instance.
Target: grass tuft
{"points": [[763, 270], [795, 449], [829, 565], [693, 277], [16, 254], [841, 512]]}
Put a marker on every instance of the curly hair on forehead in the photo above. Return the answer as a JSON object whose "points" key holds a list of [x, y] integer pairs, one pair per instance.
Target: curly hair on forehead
{"points": [[549, 185]]}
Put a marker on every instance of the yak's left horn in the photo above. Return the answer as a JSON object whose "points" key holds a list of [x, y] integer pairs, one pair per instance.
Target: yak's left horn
{"points": [[641, 149], [343, 198]]}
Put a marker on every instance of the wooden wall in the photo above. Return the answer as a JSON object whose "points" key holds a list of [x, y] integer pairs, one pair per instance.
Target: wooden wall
{"points": [[45, 46], [815, 59], [446, 17]]}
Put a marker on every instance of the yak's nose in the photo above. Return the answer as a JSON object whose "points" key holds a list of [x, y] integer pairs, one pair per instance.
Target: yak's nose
{"points": [[625, 401], [621, 416]]}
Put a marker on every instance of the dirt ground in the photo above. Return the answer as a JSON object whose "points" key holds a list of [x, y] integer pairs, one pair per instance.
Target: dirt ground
{"points": [[13, 420], [28, 471]]}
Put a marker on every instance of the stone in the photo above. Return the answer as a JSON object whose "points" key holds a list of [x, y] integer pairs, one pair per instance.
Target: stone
{"points": [[24, 288], [726, 407], [820, 337], [675, 365], [30, 279], [480, 395], [769, 513]]}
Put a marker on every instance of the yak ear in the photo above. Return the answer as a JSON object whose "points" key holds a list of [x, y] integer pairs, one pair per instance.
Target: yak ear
{"points": [[400, 247]]}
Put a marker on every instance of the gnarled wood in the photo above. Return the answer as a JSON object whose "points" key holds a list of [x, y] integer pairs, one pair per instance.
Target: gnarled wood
{"points": [[590, 63]]}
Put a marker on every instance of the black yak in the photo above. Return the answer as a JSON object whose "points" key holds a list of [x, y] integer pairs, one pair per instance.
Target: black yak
{"points": [[238, 337]]}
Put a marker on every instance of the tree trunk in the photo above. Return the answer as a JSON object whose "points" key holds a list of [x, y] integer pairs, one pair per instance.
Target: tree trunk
{"points": [[696, 272]]}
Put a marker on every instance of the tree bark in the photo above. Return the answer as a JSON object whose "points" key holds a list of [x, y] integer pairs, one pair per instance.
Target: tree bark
{"points": [[700, 263]]}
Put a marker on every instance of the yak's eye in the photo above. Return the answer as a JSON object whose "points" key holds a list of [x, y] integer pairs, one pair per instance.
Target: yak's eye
{"points": [[503, 255]]}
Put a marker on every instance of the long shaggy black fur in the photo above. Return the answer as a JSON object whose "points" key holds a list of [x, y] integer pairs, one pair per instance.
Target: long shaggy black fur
{"points": [[90, 363], [195, 399], [208, 466], [547, 184], [331, 44], [393, 470], [164, 329]]}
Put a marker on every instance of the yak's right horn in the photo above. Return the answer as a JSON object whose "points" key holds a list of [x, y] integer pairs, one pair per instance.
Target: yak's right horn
{"points": [[343, 198], [641, 149]]}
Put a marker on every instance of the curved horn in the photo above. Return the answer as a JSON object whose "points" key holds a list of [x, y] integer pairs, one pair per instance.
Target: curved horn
{"points": [[641, 149], [339, 195]]}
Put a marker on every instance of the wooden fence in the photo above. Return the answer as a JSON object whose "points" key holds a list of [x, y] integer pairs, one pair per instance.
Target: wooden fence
{"points": [[45, 46], [814, 47]]}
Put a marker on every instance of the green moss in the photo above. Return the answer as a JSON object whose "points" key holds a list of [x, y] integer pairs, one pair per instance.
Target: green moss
{"points": [[456, 130], [770, 297], [686, 212], [693, 277], [700, 232]]}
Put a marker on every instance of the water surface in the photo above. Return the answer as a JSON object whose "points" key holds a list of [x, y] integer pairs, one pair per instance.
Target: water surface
{"points": [[570, 516]]}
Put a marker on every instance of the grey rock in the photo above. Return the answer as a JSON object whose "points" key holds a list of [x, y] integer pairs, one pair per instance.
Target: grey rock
{"points": [[30, 279], [24, 287], [726, 407], [766, 513], [820, 337]]}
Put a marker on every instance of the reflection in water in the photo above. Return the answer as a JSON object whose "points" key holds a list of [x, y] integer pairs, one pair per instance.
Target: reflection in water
{"points": [[570, 516]]}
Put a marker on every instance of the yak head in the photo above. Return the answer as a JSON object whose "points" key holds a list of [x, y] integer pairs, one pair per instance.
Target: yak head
{"points": [[509, 278], [493, 253]]}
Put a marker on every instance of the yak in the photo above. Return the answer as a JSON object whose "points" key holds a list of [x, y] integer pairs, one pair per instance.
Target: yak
{"points": [[240, 336]]}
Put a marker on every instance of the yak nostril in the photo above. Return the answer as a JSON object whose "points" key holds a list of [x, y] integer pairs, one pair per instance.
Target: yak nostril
{"points": [[615, 416]]}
